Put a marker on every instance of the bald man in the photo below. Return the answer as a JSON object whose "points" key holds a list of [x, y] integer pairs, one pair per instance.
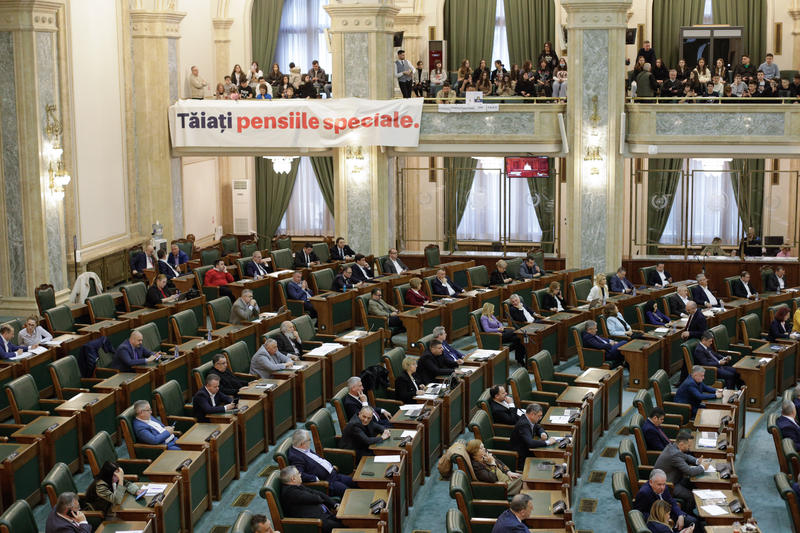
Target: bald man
{"points": [[132, 352]]}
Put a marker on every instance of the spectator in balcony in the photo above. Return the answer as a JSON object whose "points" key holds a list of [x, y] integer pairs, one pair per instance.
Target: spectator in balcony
{"points": [[660, 72], [403, 72], [320, 79], [245, 91], [763, 91], [761, 81], [264, 92], [237, 75], [682, 71], [672, 86], [527, 67], [727, 95], [514, 76], [503, 86], [637, 68], [436, 79], [688, 95], [750, 92], [254, 75], [794, 88], [694, 82], [746, 69], [484, 84], [648, 53], [784, 91], [646, 85], [446, 95], [219, 92], [274, 76], [774, 89], [289, 93], [526, 86], [478, 72], [307, 89], [719, 84], [560, 79], [720, 69], [769, 68], [419, 80], [543, 79], [549, 56], [279, 89], [294, 75], [711, 96], [466, 86], [498, 70], [229, 87], [196, 84], [464, 73], [703, 72], [738, 86]]}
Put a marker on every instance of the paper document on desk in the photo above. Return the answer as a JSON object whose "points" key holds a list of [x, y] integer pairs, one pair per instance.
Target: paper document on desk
{"points": [[706, 443], [708, 313], [37, 350], [325, 348], [426, 396], [54, 342], [559, 420], [711, 468], [410, 407], [409, 433], [387, 458], [714, 510], [661, 330], [707, 494], [154, 489], [477, 354]]}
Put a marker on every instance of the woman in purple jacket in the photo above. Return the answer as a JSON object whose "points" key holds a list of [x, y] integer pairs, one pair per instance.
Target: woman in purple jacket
{"points": [[490, 324]]}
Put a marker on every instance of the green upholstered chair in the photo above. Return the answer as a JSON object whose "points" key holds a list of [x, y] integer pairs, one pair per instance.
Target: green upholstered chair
{"points": [[454, 522], [219, 311], [538, 258], [238, 356], [729, 285], [18, 518], [400, 296], [136, 449], [379, 260], [295, 306], [775, 432], [322, 280], [640, 310], [765, 272], [282, 259], [67, 380], [58, 481], [186, 246], [134, 295], [23, 397], [432, 256], [374, 322], [101, 307], [643, 403], [482, 490], [242, 523], [209, 255], [723, 345], [326, 443], [481, 427], [185, 327], [59, 320], [622, 491], [229, 244], [336, 402], [271, 491], [199, 374], [477, 276], [283, 242], [393, 361], [665, 397], [168, 400], [647, 457], [512, 267], [241, 262], [638, 474], [322, 251], [501, 430], [486, 340], [588, 357], [280, 453], [579, 291], [423, 342], [45, 296], [308, 334], [481, 514], [644, 273], [547, 379], [538, 295], [791, 457], [247, 248], [100, 449], [519, 383], [151, 337], [687, 348], [636, 522], [787, 493], [200, 276]]}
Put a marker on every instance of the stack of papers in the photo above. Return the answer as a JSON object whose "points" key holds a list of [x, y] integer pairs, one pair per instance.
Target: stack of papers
{"points": [[661, 330], [481, 354], [708, 494], [426, 396], [387, 458], [154, 489], [764, 360], [353, 335], [265, 386], [36, 351], [296, 367], [54, 342], [714, 510], [706, 443], [325, 348], [409, 433], [559, 419], [278, 273]]}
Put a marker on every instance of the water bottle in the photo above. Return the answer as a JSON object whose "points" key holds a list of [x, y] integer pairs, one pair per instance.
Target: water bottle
{"points": [[756, 296], [208, 336], [175, 352]]}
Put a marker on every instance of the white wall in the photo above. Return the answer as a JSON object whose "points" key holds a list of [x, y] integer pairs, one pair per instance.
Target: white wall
{"points": [[99, 148], [778, 11], [200, 196], [196, 45]]}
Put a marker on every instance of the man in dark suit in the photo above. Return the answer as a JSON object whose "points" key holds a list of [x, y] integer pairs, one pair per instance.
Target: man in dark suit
{"points": [[362, 271], [696, 324], [177, 257], [432, 364], [165, 268], [355, 400], [528, 434], [342, 252], [529, 269], [299, 501], [656, 489], [788, 425], [677, 302], [149, 429], [451, 356], [693, 391], [344, 281], [361, 432], [512, 520], [229, 383], [521, 313], [297, 289], [654, 436], [312, 467], [210, 401], [257, 266], [705, 356], [680, 467], [142, 261], [591, 339], [66, 516], [620, 283], [503, 412], [740, 288], [132, 352], [702, 295], [289, 341], [393, 264], [443, 285], [306, 257], [776, 281], [659, 277], [796, 400]]}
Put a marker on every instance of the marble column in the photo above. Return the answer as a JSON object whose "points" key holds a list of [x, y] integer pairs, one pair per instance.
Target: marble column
{"points": [[361, 34], [33, 249], [794, 12], [222, 56], [156, 187], [595, 101]]}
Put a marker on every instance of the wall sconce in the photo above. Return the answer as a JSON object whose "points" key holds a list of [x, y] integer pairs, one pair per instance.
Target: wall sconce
{"points": [[357, 163], [281, 165], [59, 177], [593, 150]]}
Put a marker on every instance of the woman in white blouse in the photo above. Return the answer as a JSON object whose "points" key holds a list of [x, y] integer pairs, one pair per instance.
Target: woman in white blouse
{"points": [[703, 72], [615, 323], [33, 334], [599, 290]]}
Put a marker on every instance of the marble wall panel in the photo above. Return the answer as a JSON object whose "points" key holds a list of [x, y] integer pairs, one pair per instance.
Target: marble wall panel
{"points": [[175, 163], [356, 68], [434, 123], [770, 124], [360, 215]]}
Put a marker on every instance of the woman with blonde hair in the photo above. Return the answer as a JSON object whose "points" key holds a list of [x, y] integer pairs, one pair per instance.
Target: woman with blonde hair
{"points": [[659, 519], [406, 385], [599, 290], [415, 295], [489, 470], [490, 324], [552, 300], [499, 275]]}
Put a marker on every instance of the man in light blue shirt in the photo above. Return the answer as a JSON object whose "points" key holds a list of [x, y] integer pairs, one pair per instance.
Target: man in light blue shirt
{"points": [[769, 68]]}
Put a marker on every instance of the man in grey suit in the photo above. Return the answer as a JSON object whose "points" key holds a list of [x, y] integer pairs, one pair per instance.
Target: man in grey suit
{"points": [[378, 307], [245, 308], [268, 359], [393, 265], [679, 467]]}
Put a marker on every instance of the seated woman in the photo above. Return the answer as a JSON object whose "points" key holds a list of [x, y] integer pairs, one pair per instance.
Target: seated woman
{"points": [[415, 295], [109, 488], [616, 324], [405, 385], [653, 316], [552, 300], [599, 289], [33, 334], [489, 470], [659, 519], [499, 275], [715, 248], [490, 324], [484, 84], [158, 293], [781, 326]]}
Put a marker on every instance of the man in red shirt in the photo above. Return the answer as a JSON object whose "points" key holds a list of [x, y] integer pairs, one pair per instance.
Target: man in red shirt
{"points": [[219, 277]]}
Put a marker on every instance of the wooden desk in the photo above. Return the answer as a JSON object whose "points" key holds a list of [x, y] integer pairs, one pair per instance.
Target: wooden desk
{"points": [[279, 403], [496, 364], [334, 311], [537, 474], [726, 318], [37, 366], [127, 388], [194, 480], [610, 383], [566, 343], [455, 315], [20, 473], [712, 480], [723, 529], [167, 515], [474, 380], [713, 453], [168, 369], [184, 283], [370, 475], [262, 290], [419, 321], [354, 509], [726, 519], [250, 420], [268, 321], [786, 353], [574, 397], [223, 452], [745, 306], [644, 358], [391, 281], [413, 453], [96, 412], [452, 412], [432, 430], [230, 334], [579, 430], [68, 343], [117, 331], [672, 354], [571, 274], [482, 296], [201, 351], [58, 439], [538, 336], [522, 288], [196, 305], [712, 420], [367, 350], [543, 501], [761, 380], [146, 315], [122, 527], [308, 387]]}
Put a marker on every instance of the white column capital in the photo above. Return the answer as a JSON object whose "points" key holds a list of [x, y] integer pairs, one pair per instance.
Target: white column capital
{"points": [[352, 16], [149, 24], [222, 29], [596, 14], [30, 15]]}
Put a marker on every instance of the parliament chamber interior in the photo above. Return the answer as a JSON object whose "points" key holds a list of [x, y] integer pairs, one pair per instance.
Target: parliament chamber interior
{"points": [[400, 266]]}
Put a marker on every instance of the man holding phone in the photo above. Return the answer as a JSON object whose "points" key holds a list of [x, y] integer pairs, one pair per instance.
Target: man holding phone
{"points": [[66, 516]]}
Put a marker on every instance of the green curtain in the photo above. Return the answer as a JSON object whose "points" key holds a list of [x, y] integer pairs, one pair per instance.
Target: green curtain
{"points": [[459, 173], [662, 180], [750, 195], [265, 21], [529, 23], [469, 31], [668, 17], [273, 192], [752, 15], [544, 190], [323, 170]]}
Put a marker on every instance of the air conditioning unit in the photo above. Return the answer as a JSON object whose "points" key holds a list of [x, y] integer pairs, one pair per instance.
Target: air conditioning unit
{"points": [[241, 207]]}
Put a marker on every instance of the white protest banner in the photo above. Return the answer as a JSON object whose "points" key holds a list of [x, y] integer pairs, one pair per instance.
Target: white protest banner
{"points": [[295, 123]]}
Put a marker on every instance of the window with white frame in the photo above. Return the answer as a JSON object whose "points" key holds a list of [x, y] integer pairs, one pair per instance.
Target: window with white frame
{"points": [[307, 213]]}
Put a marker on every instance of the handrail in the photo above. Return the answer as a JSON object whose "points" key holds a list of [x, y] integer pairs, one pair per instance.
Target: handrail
{"points": [[710, 100]]}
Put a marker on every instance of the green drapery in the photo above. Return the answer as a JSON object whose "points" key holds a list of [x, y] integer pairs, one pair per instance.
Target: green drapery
{"points": [[265, 21], [544, 201], [529, 23], [273, 192], [459, 173], [469, 31], [748, 189], [663, 177], [752, 15], [323, 170], [668, 17]]}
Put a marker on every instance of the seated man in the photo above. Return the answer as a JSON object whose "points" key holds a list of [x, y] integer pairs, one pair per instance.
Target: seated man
{"points": [[443, 285], [344, 281], [143, 261], [260, 524], [165, 268], [210, 400], [355, 400], [776, 282], [378, 307], [219, 277], [257, 266], [680, 467], [529, 269], [696, 323], [299, 501], [677, 302], [229, 383], [289, 341], [149, 429], [312, 467], [702, 295], [132, 352], [268, 359], [620, 283], [705, 356], [659, 277], [433, 364], [393, 264], [177, 257], [362, 271], [512, 520], [654, 436], [740, 288], [66, 516], [796, 400], [528, 434], [306, 257], [450, 354], [656, 489], [297, 289], [503, 410], [342, 252], [788, 424], [244, 309], [591, 339], [9, 350], [693, 391], [521, 313], [361, 432]]}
